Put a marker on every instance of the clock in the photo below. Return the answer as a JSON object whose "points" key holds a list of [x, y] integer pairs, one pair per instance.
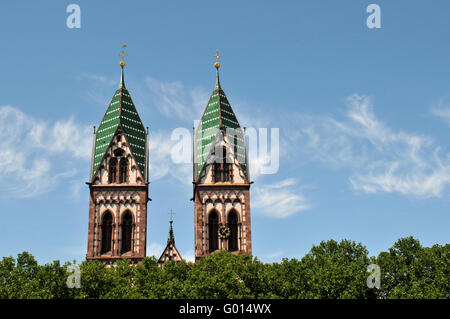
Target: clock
{"points": [[224, 232]]}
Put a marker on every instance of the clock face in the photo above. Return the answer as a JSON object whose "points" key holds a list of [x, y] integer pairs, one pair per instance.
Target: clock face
{"points": [[224, 232]]}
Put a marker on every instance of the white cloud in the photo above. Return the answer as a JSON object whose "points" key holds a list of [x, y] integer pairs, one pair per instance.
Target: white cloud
{"points": [[100, 88], [154, 249], [380, 159], [174, 100], [30, 149], [442, 111], [68, 136], [98, 79], [280, 200], [161, 163]]}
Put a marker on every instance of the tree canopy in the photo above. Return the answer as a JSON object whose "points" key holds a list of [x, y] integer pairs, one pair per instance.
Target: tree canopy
{"points": [[330, 270]]}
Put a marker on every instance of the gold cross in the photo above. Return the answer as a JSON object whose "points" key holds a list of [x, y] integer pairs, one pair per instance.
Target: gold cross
{"points": [[123, 54], [217, 56]]}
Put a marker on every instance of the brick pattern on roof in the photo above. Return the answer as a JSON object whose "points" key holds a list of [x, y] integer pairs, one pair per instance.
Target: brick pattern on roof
{"points": [[121, 112], [218, 112]]}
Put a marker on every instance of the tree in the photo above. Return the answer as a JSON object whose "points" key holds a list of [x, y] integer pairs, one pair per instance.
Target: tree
{"points": [[282, 280], [96, 280], [335, 270], [220, 275], [330, 270], [412, 271]]}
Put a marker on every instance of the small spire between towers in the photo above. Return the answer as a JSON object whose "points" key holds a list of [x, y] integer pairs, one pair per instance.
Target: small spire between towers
{"points": [[171, 251]]}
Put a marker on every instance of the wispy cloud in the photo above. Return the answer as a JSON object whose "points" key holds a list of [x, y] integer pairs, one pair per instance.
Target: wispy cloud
{"points": [[161, 147], [97, 78], [174, 100], [380, 158], [280, 200], [100, 88], [30, 150], [441, 110], [70, 138]]}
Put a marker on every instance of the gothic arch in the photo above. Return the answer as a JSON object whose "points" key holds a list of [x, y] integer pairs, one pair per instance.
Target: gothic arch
{"points": [[233, 225], [222, 170], [112, 170], [213, 230], [123, 170], [127, 231], [107, 223]]}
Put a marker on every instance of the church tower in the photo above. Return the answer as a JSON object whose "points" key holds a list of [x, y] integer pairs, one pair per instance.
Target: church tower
{"points": [[221, 179], [118, 182]]}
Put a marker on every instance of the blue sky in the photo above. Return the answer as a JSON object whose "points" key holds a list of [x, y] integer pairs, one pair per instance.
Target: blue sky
{"points": [[364, 116]]}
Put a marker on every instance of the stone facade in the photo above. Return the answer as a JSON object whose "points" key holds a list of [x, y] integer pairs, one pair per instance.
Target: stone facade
{"points": [[221, 180], [117, 201], [222, 198], [118, 198]]}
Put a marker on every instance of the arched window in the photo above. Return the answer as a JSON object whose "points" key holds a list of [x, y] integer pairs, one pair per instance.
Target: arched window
{"points": [[226, 170], [127, 229], [112, 170], [233, 226], [213, 231], [217, 172], [222, 169], [123, 169], [106, 233]]}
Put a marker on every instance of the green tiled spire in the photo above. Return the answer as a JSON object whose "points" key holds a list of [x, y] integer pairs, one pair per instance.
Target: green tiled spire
{"points": [[218, 113], [122, 113]]}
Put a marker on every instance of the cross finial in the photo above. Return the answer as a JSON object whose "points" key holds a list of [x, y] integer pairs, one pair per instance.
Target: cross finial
{"points": [[171, 213], [217, 56], [122, 54]]}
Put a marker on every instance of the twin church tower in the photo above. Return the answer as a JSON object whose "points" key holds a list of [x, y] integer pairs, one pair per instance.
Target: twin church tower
{"points": [[119, 179]]}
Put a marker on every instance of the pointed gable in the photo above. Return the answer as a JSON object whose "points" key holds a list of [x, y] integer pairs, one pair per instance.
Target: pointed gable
{"points": [[121, 112], [171, 251], [118, 145], [218, 113], [222, 141]]}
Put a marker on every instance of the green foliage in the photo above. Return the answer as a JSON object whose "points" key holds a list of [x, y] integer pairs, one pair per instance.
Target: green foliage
{"points": [[330, 270], [24, 278], [409, 270], [336, 270], [221, 275]]}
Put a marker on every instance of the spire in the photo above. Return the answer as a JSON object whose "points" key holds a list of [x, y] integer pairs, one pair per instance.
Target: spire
{"points": [[171, 251], [217, 78], [217, 66], [121, 113], [171, 239], [122, 81], [122, 65], [218, 115]]}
